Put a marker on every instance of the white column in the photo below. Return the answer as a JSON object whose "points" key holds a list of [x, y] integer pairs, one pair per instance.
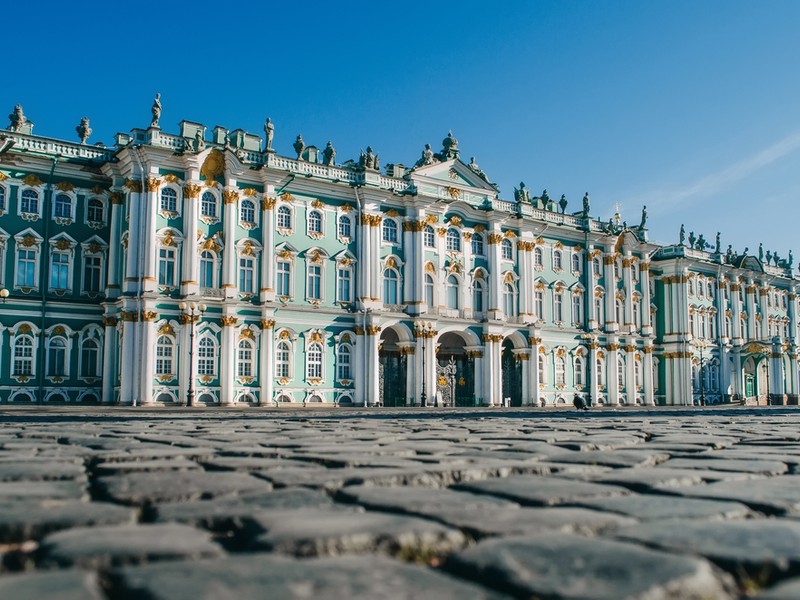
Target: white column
{"points": [[147, 368], [268, 253], [229, 197], [112, 270], [267, 362], [375, 270], [762, 302], [129, 358], [373, 340], [609, 260], [612, 373], [524, 357], [132, 283], [750, 303], [189, 277], [489, 374], [591, 368], [411, 266], [644, 270], [495, 282], [648, 376], [533, 370], [110, 345], [627, 280], [360, 367], [227, 370], [150, 283]]}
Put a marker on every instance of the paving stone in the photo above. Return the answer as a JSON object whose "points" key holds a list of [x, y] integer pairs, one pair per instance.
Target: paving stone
{"points": [[786, 590], [41, 471], [306, 532], [42, 490], [653, 507], [101, 547], [766, 467], [775, 495], [620, 458], [660, 478], [762, 549], [557, 565], [167, 464], [68, 584], [264, 575], [20, 521], [541, 491], [160, 486], [254, 463]]}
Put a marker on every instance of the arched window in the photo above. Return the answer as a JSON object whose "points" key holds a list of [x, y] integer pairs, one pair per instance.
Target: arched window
{"points": [[576, 262], [560, 371], [95, 211], [244, 359], [208, 205], [477, 244], [283, 356], [636, 313], [558, 260], [207, 357], [90, 358], [506, 249], [601, 371], [637, 373], [247, 211], [429, 286], [728, 327], [538, 257], [580, 371], [452, 291], [621, 372], [315, 222], [29, 202], [453, 240], [284, 217], [343, 361], [542, 368], [57, 357], [23, 355], [390, 231], [344, 226], [509, 297], [165, 351], [390, 285], [690, 287], [169, 200], [429, 237], [62, 207], [477, 296], [314, 361], [207, 264]]}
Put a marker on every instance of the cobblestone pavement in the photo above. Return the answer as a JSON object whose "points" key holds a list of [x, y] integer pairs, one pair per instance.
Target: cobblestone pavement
{"points": [[346, 503]]}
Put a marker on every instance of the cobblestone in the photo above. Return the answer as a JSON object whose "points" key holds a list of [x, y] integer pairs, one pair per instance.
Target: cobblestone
{"points": [[439, 503]]}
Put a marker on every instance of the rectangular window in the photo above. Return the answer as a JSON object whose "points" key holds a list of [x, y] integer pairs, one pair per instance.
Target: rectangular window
{"points": [[539, 301], [26, 268], [558, 308], [166, 266], [576, 310], [283, 275], [59, 271], [92, 270], [343, 285], [314, 286], [246, 275]]}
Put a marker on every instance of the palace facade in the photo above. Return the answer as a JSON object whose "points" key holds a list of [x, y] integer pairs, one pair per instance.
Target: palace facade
{"points": [[204, 267]]}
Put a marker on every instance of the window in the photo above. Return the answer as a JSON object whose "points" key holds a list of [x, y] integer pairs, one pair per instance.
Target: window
{"points": [[453, 240], [284, 220], [390, 231], [344, 288], [314, 361], [95, 211], [637, 373], [29, 202], [429, 290], [244, 359], [208, 205], [92, 273], [620, 311], [90, 355], [247, 212], [477, 244], [57, 358], [283, 278], [509, 297], [690, 287], [691, 324], [506, 250], [314, 224], [428, 237], [166, 266], [59, 271], [164, 355], [636, 312], [207, 269], [538, 257], [577, 317], [283, 356], [596, 266], [538, 301], [477, 296], [598, 309], [207, 357], [169, 200], [26, 268], [452, 291], [616, 269], [344, 226], [601, 371], [576, 262], [247, 274], [541, 367], [621, 372], [580, 371], [635, 271], [390, 281], [62, 207], [727, 327], [558, 258], [23, 355], [558, 307], [314, 282], [560, 371], [343, 361], [2, 198]]}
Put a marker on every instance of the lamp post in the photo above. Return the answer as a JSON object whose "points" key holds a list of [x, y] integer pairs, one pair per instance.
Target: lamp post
{"points": [[191, 313], [424, 331]]}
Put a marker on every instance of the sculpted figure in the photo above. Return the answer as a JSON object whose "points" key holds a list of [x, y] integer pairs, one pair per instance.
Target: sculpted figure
{"points": [[563, 203], [17, 118], [83, 130], [328, 154], [156, 110], [643, 224], [692, 239], [269, 130], [717, 246], [682, 235], [299, 145], [586, 204]]}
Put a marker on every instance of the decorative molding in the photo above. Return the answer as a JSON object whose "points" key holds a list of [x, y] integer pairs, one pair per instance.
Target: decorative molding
{"points": [[152, 183], [230, 196], [267, 323], [228, 321], [32, 180]]}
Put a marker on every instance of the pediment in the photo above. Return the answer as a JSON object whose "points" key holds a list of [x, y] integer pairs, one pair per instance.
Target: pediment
{"points": [[452, 172]]}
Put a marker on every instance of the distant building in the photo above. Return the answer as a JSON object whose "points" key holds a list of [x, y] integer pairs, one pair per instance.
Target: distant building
{"points": [[204, 263]]}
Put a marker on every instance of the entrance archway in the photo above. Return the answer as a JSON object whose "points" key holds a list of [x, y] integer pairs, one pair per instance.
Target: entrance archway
{"points": [[512, 374], [455, 371], [392, 365]]}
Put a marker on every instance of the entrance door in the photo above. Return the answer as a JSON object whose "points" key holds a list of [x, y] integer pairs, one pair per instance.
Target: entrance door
{"points": [[392, 370], [512, 375], [461, 375]]}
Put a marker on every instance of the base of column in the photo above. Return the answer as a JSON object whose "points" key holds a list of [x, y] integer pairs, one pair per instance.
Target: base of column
{"points": [[793, 400]]}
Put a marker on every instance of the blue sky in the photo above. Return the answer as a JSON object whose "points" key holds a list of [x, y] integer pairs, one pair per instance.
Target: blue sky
{"points": [[692, 108]]}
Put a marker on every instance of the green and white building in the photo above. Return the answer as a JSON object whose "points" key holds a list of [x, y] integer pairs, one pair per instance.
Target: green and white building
{"points": [[202, 265]]}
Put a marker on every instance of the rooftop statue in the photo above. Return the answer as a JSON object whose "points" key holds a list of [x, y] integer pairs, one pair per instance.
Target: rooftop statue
{"points": [[476, 169], [83, 130], [791, 259], [427, 157], [546, 200], [299, 145], [586, 205], [449, 147], [643, 224], [269, 130], [761, 252], [729, 255], [369, 160], [682, 235], [692, 239], [521, 194], [156, 110], [563, 204], [328, 154], [769, 257], [701, 242], [199, 142], [717, 247], [17, 118]]}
